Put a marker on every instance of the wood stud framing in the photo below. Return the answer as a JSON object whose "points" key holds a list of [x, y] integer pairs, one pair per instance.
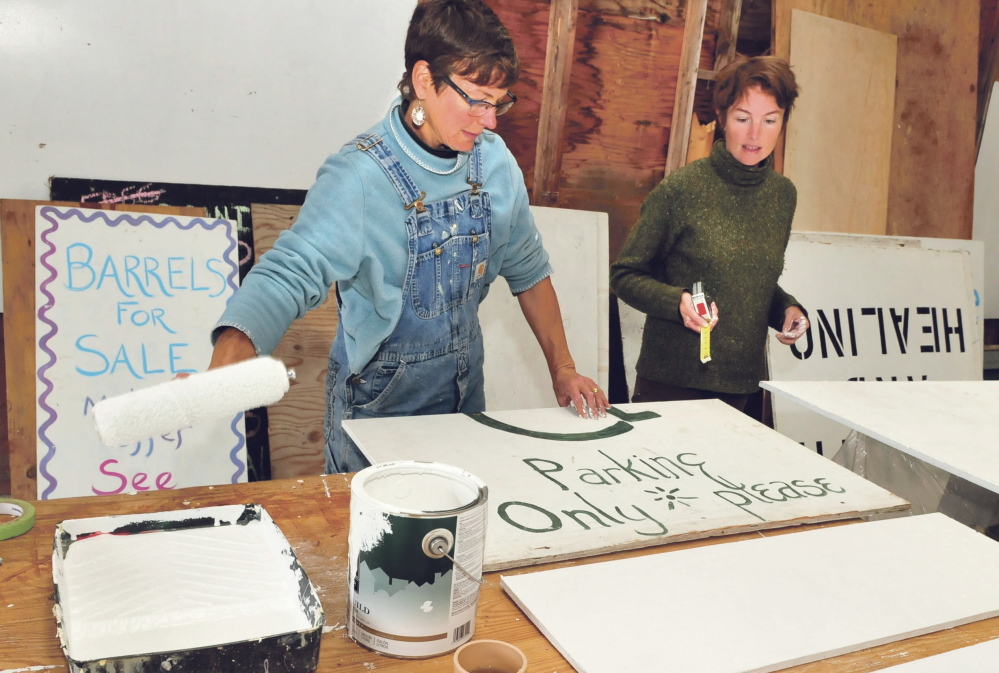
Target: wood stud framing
{"points": [[683, 105], [554, 97]]}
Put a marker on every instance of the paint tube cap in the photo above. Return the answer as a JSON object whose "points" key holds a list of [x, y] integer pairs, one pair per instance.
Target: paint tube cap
{"points": [[495, 656]]}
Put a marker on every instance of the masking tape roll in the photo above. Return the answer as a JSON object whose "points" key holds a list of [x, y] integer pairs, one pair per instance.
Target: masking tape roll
{"points": [[25, 521]]}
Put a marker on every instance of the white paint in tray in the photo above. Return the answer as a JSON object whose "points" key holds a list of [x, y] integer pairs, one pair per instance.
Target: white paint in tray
{"points": [[167, 591]]}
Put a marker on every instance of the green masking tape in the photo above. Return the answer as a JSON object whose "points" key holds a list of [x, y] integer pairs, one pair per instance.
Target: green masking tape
{"points": [[25, 521]]}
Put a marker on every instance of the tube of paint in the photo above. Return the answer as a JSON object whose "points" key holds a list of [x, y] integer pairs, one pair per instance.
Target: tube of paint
{"points": [[702, 306]]}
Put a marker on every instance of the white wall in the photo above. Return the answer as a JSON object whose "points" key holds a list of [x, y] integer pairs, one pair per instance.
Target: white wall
{"points": [[227, 92], [986, 225]]}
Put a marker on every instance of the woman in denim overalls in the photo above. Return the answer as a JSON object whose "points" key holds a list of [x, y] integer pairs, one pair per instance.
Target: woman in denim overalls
{"points": [[412, 220]]}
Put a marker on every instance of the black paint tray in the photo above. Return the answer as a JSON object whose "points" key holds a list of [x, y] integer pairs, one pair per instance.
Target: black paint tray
{"points": [[209, 590]]}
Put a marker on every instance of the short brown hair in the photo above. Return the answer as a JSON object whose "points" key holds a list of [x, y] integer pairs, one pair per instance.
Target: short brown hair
{"points": [[459, 37], [773, 75]]}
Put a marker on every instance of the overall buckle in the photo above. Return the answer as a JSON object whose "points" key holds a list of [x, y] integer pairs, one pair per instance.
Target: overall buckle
{"points": [[418, 204]]}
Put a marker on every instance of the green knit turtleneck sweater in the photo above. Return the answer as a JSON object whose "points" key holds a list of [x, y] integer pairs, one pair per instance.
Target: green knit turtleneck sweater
{"points": [[726, 224]]}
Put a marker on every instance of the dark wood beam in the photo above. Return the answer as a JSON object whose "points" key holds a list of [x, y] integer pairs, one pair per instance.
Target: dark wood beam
{"points": [[554, 101], [988, 64], [728, 33], [686, 81]]}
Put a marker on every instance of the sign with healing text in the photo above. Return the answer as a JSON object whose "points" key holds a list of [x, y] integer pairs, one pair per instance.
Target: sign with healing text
{"points": [[125, 301], [562, 487], [881, 309]]}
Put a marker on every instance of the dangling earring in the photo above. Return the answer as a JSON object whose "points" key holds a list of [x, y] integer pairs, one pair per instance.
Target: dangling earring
{"points": [[418, 115]]}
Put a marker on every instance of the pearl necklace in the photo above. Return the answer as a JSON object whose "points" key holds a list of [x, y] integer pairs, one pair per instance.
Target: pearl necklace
{"points": [[457, 163]]}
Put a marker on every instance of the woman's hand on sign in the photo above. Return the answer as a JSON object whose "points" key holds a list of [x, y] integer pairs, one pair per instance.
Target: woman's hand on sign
{"points": [[582, 392], [795, 326], [689, 315]]}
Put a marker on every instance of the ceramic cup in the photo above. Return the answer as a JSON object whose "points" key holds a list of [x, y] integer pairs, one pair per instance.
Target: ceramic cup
{"points": [[489, 656]]}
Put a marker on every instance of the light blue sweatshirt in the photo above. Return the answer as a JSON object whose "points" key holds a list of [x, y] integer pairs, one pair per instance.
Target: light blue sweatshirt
{"points": [[351, 231]]}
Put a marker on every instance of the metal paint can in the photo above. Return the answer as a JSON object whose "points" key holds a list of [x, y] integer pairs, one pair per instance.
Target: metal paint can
{"points": [[416, 544]]}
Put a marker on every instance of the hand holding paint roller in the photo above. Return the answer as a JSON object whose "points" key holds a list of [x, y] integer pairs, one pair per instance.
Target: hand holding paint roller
{"points": [[185, 402]]}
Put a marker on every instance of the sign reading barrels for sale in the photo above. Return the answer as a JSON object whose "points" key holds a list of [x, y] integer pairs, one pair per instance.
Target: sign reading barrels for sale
{"points": [[125, 301], [881, 309]]}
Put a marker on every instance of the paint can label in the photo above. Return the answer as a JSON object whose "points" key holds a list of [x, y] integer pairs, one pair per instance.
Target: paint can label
{"points": [[408, 521]]}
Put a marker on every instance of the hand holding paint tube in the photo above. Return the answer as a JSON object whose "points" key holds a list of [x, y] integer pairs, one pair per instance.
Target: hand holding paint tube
{"points": [[701, 315]]}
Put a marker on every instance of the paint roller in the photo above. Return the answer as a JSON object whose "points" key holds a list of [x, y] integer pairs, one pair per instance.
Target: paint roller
{"points": [[181, 403]]}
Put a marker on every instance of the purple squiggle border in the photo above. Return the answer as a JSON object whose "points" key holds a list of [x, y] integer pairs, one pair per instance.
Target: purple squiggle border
{"points": [[51, 214]]}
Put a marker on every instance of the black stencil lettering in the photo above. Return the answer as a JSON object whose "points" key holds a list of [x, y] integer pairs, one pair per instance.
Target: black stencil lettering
{"points": [[902, 335], [929, 329], [948, 330], [808, 348], [881, 329]]}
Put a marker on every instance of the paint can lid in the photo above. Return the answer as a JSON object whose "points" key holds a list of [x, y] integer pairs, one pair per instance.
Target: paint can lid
{"points": [[418, 488]]}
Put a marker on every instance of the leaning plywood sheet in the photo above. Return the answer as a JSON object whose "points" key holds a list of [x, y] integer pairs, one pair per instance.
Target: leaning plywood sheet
{"points": [[867, 325], [953, 425], [841, 66], [515, 372], [980, 658], [561, 487], [766, 604]]}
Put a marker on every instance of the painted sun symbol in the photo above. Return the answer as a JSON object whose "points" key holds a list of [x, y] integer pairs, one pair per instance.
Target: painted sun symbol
{"points": [[671, 499]]}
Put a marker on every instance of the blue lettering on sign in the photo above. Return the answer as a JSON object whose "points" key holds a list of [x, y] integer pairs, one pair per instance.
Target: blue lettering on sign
{"points": [[147, 276]]}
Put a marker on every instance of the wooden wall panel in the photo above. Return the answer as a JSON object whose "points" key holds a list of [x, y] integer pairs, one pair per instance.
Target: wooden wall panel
{"points": [[4, 444], [620, 102], [841, 66], [933, 146], [295, 422]]}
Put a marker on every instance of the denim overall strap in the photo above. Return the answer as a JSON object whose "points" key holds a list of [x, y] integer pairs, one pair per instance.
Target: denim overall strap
{"points": [[475, 168], [432, 361], [397, 175]]}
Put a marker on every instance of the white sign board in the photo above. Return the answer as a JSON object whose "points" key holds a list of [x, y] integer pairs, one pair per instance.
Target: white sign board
{"points": [[516, 374], [881, 309], [952, 425], [125, 301], [767, 604], [562, 487]]}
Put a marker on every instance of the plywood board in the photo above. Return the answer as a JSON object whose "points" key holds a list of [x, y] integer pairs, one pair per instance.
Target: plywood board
{"points": [[295, 422], [933, 147], [838, 150], [866, 325], [562, 487], [126, 301], [17, 224], [980, 658], [762, 605], [953, 425], [515, 372]]}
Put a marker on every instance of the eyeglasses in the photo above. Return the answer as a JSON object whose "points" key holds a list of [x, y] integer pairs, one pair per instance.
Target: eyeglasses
{"points": [[477, 108]]}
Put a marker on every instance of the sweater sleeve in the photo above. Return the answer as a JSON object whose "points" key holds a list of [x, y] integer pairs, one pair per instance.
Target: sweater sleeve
{"points": [[780, 303], [526, 262], [633, 276], [781, 300], [323, 246]]}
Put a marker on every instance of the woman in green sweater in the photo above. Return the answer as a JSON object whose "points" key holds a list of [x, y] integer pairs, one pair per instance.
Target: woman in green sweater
{"points": [[724, 221]]}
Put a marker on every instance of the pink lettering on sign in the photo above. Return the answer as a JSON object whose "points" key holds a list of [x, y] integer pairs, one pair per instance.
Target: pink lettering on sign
{"points": [[163, 481]]}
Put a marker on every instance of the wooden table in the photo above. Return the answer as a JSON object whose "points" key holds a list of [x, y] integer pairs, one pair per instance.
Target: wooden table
{"points": [[313, 513]]}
